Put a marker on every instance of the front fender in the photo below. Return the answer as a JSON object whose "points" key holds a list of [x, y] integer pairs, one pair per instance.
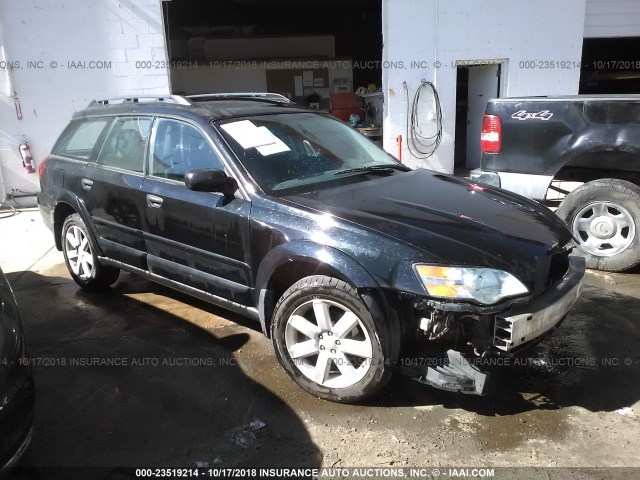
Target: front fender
{"points": [[307, 252], [349, 269]]}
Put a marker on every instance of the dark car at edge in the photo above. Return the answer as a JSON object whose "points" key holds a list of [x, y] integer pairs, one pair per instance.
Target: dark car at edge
{"points": [[353, 264], [17, 397]]}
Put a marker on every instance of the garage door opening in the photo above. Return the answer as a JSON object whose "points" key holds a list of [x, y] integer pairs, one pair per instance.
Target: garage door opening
{"points": [[610, 65], [305, 50]]}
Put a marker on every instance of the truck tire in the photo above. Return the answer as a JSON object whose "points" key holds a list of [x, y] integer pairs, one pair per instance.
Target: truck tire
{"points": [[604, 217], [326, 340]]}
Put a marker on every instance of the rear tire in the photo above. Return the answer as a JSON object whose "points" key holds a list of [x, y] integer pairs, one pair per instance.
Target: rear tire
{"points": [[604, 216], [327, 341], [80, 256]]}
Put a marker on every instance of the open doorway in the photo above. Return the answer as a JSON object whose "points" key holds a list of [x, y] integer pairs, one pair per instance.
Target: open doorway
{"points": [[475, 85]]}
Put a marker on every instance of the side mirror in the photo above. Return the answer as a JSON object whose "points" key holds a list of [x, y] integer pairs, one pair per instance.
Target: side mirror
{"points": [[210, 180]]}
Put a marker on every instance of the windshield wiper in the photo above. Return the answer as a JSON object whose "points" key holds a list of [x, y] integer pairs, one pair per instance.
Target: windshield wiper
{"points": [[383, 169]]}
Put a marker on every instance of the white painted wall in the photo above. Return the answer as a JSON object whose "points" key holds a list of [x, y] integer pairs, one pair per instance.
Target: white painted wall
{"points": [[54, 32], [612, 18], [446, 31]]}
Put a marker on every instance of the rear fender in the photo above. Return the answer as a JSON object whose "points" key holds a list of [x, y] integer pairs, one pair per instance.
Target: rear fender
{"points": [[76, 203]]}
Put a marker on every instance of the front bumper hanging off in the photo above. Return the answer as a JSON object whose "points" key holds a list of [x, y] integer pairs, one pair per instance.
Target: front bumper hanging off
{"points": [[515, 329], [455, 374]]}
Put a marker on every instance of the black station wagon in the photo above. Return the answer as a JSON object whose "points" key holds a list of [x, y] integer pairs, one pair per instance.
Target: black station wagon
{"points": [[355, 265]]}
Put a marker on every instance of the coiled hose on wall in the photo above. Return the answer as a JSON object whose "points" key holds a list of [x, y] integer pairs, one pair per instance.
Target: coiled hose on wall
{"points": [[422, 146]]}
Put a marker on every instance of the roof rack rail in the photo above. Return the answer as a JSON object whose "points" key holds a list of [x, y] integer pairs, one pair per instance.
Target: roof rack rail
{"points": [[177, 99], [274, 97]]}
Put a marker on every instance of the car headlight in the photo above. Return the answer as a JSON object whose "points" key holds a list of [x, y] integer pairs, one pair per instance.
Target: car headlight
{"points": [[484, 285]]}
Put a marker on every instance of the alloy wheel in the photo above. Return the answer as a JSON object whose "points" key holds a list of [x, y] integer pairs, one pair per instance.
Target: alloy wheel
{"points": [[328, 343], [78, 250]]}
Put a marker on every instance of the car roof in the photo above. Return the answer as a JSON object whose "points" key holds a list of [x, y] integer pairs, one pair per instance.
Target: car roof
{"points": [[207, 107]]}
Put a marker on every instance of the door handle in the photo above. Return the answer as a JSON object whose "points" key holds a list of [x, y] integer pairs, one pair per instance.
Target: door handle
{"points": [[154, 202], [86, 183]]}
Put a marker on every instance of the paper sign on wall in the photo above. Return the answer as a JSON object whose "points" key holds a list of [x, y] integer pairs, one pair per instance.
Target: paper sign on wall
{"points": [[299, 89], [307, 78]]}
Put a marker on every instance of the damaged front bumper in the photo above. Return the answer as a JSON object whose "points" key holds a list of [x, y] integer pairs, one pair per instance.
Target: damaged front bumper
{"points": [[523, 324], [513, 328], [452, 372]]}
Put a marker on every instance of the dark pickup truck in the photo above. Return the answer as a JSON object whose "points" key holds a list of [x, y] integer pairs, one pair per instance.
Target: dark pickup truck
{"points": [[540, 147]]}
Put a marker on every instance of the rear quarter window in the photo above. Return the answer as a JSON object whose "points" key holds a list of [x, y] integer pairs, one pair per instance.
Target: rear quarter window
{"points": [[126, 143], [79, 139]]}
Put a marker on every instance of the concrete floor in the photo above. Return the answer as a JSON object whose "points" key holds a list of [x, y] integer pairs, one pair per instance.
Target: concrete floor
{"points": [[190, 384]]}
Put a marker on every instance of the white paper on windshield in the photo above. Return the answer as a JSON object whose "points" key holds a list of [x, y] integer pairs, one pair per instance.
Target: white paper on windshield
{"points": [[275, 146], [248, 135], [278, 146]]}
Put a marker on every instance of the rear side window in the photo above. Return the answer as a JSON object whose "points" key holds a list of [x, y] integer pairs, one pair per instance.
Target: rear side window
{"points": [[79, 138], [179, 147], [126, 144]]}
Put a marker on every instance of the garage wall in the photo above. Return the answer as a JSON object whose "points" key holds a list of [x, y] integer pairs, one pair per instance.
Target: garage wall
{"points": [[612, 18], [192, 81], [61, 54], [430, 31]]}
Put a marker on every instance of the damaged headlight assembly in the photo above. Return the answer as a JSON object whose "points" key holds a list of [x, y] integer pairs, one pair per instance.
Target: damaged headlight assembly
{"points": [[483, 285]]}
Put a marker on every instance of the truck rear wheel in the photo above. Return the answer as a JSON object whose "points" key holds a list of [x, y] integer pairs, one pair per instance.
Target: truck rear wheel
{"points": [[604, 217]]}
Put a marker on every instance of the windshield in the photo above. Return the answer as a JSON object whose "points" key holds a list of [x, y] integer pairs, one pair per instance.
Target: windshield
{"points": [[301, 151]]}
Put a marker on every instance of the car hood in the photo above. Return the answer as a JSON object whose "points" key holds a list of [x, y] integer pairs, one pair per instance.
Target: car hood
{"points": [[452, 219]]}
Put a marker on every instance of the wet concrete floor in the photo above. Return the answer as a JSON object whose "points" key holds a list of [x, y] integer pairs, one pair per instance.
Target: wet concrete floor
{"points": [[145, 376]]}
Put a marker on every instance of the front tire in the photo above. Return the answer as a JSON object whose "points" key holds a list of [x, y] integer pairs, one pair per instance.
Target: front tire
{"points": [[604, 217], [327, 341], [81, 258]]}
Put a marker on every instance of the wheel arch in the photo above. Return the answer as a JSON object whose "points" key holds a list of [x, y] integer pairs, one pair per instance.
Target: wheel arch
{"points": [[65, 206], [285, 265], [601, 162], [61, 211]]}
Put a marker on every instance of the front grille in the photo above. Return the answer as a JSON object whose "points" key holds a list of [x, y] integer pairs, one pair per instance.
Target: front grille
{"points": [[558, 267]]}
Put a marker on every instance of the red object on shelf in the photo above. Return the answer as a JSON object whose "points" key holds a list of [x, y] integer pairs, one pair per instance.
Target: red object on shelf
{"points": [[345, 100], [344, 113], [343, 105]]}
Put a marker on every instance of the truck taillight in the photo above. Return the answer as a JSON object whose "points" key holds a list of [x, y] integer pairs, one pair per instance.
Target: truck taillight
{"points": [[491, 136], [42, 166]]}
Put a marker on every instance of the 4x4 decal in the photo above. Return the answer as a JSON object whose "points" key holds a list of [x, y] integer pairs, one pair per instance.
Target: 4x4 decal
{"points": [[524, 115]]}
